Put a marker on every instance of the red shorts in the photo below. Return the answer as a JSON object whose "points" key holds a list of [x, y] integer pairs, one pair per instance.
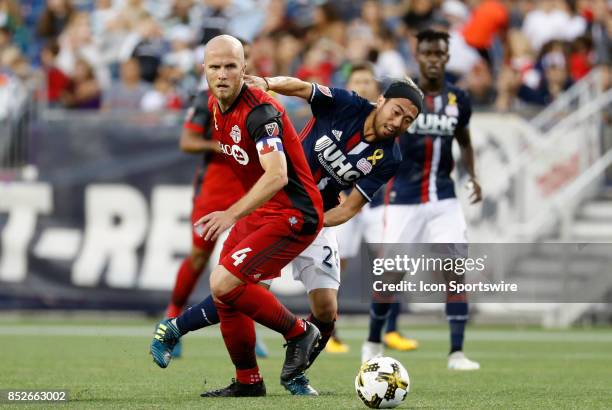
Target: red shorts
{"points": [[257, 247]]}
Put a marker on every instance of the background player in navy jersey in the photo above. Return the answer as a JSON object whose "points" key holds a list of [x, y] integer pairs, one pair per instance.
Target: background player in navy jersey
{"points": [[366, 225], [421, 206], [349, 144]]}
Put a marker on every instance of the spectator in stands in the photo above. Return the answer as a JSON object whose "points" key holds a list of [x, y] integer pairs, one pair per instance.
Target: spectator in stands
{"points": [[148, 46], [6, 39], [601, 32], [581, 59], [77, 42], [56, 81], [389, 62], [489, 20], [288, 49], [181, 55], [317, 66], [463, 57], [84, 90], [215, 20], [11, 19], [54, 18], [552, 20], [127, 94], [163, 96], [554, 80]]}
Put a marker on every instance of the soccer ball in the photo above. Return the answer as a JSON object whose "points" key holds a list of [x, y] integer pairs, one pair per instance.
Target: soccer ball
{"points": [[382, 383]]}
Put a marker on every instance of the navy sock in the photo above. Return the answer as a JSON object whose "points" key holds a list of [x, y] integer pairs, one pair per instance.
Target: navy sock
{"points": [[378, 316], [457, 315], [203, 314], [393, 314]]}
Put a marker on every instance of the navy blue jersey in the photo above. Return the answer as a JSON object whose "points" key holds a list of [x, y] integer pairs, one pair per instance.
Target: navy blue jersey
{"points": [[336, 149], [424, 174]]}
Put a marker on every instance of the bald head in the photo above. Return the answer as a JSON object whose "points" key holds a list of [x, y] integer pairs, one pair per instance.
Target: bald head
{"points": [[224, 44], [224, 67]]}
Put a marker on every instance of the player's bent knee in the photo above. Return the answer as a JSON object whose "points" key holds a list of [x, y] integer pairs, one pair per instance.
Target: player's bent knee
{"points": [[324, 305], [222, 281], [325, 314]]}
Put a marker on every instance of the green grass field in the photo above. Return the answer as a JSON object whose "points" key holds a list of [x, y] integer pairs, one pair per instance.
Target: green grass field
{"points": [[105, 364]]}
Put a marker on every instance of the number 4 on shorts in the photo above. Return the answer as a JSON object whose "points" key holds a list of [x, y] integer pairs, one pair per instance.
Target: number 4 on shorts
{"points": [[240, 255]]}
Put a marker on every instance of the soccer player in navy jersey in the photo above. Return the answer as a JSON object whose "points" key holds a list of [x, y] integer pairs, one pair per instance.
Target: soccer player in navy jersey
{"points": [[366, 225], [349, 144], [420, 201]]}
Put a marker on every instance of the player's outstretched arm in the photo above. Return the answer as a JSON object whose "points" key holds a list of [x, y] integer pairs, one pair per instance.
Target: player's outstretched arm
{"points": [[290, 86], [192, 142], [346, 210], [273, 180]]}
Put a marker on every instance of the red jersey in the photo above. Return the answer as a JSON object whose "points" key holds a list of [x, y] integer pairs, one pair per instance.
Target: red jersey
{"points": [[255, 124], [213, 189]]}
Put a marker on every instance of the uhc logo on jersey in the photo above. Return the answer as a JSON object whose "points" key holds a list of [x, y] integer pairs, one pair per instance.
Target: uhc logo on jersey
{"points": [[439, 124], [334, 161], [269, 144]]}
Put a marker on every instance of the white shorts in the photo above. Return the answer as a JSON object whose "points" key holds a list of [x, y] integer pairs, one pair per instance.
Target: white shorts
{"points": [[431, 222], [318, 267]]}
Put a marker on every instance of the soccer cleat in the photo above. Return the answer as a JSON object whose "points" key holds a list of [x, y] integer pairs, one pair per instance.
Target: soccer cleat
{"points": [[395, 341], [177, 352], [335, 345], [237, 389], [166, 336], [370, 350], [300, 386], [458, 361], [298, 352]]}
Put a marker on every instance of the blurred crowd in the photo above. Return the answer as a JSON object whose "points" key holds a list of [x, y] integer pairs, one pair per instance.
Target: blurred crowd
{"points": [[147, 54]]}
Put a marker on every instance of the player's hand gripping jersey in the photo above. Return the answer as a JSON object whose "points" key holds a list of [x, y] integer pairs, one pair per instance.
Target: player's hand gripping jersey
{"points": [[337, 152]]}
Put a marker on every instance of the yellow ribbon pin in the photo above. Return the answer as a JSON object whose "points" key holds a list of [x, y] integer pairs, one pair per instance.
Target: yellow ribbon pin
{"points": [[378, 154]]}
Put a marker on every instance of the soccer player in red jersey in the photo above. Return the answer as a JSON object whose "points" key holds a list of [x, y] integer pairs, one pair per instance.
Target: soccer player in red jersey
{"points": [[277, 218], [213, 191]]}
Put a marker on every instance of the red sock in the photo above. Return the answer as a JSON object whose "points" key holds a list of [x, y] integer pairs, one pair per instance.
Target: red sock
{"points": [[186, 280], [248, 376], [238, 332], [262, 306]]}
